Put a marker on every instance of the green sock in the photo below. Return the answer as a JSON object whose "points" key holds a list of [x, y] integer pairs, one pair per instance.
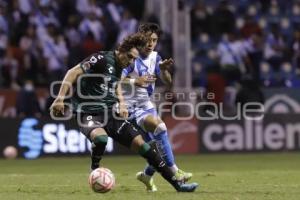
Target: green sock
{"points": [[98, 148], [144, 148]]}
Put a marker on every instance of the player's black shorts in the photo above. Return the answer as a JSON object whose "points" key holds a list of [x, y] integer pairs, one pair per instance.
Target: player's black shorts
{"points": [[122, 131]]}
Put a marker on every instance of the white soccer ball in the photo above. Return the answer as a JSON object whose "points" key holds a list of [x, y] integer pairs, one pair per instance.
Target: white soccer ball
{"points": [[101, 180], [10, 152]]}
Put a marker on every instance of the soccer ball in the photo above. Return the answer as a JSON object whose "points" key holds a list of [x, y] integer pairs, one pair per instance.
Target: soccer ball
{"points": [[101, 180]]}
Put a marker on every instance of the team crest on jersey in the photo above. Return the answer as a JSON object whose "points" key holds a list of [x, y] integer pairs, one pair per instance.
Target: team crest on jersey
{"points": [[110, 68]]}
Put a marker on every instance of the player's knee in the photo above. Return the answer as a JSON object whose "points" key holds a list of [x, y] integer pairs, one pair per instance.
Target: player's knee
{"points": [[160, 128], [136, 143], [150, 123], [96, 133], [100, 140]]}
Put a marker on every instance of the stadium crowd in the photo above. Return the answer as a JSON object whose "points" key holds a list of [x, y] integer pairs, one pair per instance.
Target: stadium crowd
{"points": [[40, 39], [257, 38]]}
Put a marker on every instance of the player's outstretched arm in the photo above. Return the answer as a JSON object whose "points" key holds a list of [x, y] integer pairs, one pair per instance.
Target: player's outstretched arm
{"points": [[57, 107]]}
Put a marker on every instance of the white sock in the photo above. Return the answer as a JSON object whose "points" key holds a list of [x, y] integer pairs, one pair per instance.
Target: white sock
{"points": [[174, 168]]}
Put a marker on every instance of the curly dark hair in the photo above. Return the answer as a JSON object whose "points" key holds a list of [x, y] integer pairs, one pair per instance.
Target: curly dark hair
{"points": [[136, 40], [150, 27]]}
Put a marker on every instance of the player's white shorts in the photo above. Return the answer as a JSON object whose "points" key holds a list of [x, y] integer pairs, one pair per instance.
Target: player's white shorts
{"points": [[141, 111]]}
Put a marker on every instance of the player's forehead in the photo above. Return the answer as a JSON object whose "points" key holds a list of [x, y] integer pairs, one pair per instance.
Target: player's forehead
{"points": [[152, 35]]}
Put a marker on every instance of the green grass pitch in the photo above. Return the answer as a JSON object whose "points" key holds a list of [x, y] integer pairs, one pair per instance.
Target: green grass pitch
{"points": [[232, 177]]}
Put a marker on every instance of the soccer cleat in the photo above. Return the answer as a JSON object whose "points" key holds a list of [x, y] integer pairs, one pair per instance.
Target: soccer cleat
{"points": [[94, 166], [147, 180], [187, 187], [182, 175]]}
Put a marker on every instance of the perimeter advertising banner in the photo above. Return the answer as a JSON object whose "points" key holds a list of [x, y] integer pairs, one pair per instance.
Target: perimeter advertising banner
{"points": [[275, 132], [35, 138], [183, 134]]}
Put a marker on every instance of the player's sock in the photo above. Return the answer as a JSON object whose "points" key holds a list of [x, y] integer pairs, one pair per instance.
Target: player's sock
{"points": [[174, 168], [155, 160], [98, 148], [165, 148], [149, 170]]}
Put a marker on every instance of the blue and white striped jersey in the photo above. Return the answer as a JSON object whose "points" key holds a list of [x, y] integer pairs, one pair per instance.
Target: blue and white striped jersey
{"points": [[138, 96]]}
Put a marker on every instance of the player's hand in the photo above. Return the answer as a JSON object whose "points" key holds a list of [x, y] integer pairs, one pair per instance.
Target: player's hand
{"points": [[123, 111], [166, 64], [57, 108], [144, 81]]}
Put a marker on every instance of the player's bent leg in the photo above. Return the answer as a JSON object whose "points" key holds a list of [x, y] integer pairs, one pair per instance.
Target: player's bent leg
{"points": [[146, 176], [159, 130], [149, 170], [155, 160], [99, 139]]}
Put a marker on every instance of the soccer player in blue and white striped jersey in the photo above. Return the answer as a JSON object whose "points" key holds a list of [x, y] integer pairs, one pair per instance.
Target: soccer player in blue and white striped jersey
{"points": [[142, 74]]}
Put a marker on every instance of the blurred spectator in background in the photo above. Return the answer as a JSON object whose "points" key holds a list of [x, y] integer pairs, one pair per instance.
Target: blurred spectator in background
{"points": [[223, 19], [3, 42], [10, 69], [64, 9], [55, 53], [27, 103], [26, 6], [3, 18], [3, 30], [114, 10], [90, 45], [42, 17], [274, 48], [85, 7], [128, 25], [201, 20], [250, 27], [30, 47], [73, 40], [296, 50], [91, 23], [254, 46], [232, 55]]}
